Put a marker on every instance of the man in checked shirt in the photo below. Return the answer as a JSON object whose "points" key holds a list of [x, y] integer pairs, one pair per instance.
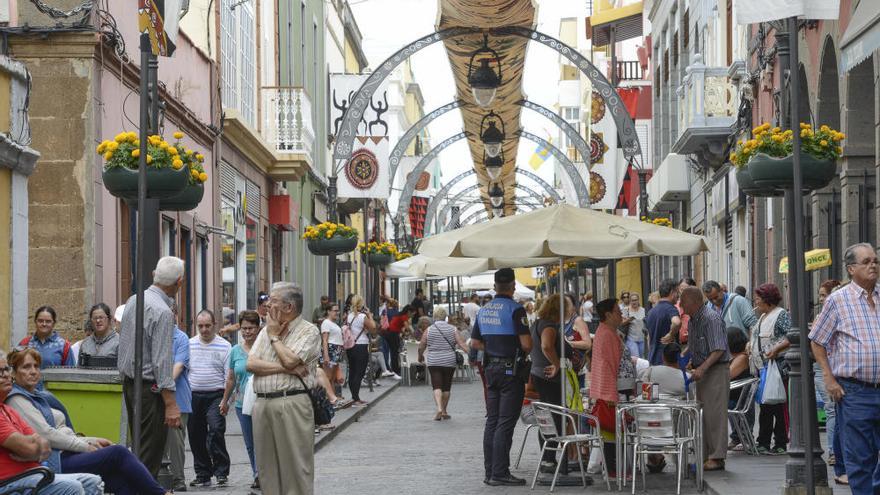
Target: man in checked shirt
{"points": [[846, 343]]}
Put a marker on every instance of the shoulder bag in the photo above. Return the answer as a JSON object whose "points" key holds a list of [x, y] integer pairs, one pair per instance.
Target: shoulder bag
{"points": [[321, 406], [459, 359]]}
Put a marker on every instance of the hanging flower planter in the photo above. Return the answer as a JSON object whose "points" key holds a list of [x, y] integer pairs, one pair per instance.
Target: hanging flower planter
{"points": [[768, 158], [748, 187], [185, 201], [590, 264], [171, 168], [378, 254], [330, 239], [770, 172], [379, 260]]}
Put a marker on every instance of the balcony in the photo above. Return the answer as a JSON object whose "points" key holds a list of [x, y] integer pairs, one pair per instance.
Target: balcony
{"points": [[670, 183], [283, 146], [629, 70], [708, 104]]}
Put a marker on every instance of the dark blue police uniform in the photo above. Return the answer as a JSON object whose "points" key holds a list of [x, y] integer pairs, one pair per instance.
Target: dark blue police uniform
{"points": [[499, 324]]}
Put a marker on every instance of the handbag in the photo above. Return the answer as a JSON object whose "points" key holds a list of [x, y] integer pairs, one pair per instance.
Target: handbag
{"points": [[321, 406], [771, 389], [248, 397], [459, 359]]}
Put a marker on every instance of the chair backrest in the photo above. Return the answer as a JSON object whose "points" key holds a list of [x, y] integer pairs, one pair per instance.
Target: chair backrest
{"points": [[544, 419], [654, 422], [748, 388]]}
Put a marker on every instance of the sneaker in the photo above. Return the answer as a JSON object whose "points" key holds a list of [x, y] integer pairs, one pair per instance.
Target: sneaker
{"points": [[222, 480], [778, 451], [359, 403], [180, 486], [548, 467], [386, 374], [256, 484], [762, 450], [202, 482], [395, 376]]}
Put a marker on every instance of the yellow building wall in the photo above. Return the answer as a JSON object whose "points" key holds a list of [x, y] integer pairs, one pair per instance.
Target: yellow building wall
{"points": [[5, 252], [629, 276], [351, 62], [524, 276], [5, 101]]}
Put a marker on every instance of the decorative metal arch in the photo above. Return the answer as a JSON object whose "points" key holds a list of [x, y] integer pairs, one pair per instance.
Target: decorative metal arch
{"points": [[570, 131], [580, 189], [531, 194], [435, 201], [412, 132], [482, 215], [626, 130], [410, 187]]}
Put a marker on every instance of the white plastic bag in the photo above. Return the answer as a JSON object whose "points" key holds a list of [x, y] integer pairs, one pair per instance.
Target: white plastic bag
{"points": [[247, 402], [773, 391]]}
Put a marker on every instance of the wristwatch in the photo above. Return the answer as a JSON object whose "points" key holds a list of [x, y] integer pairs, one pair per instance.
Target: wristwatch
{"points": [[273, 339]]}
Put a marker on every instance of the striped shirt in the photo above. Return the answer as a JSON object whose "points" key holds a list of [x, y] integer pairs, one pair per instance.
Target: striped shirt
{"points": [[441, 345], [158, 339], [607, 350], [304, 339], [707, 334], [849, 330], [208, 364]]}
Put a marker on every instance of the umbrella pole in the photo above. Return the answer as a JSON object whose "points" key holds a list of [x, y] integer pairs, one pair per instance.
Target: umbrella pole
{"points": [[562, 333]]}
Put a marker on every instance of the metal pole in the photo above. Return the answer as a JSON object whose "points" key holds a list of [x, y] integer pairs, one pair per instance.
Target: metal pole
{"points": [[644, 261], [366, 271], [562, 334], [331, 260], [146, 60]]}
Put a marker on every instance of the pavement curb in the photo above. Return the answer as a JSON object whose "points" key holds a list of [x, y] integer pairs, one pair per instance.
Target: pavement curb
{"points": [[324, 439]]}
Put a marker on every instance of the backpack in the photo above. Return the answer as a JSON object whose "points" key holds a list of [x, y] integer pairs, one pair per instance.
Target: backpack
{"points": [[348, 338], [64, 352]]}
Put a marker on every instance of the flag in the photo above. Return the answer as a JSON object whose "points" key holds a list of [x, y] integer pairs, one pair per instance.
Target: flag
{"points": [[159, 19], [539, 156], [365, 175]]}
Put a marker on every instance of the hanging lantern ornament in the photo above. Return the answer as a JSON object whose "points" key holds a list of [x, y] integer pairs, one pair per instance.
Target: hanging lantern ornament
{"points": [[491, 135], [496, 196], [498, 211], [484, 80], [493, 165]]}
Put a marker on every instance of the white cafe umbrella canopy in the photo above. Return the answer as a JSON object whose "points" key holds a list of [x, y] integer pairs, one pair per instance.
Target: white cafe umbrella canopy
{"points": [[424, 266], [563, 231]]}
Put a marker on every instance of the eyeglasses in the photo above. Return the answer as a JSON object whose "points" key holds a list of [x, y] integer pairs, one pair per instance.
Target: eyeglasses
{"points": [[99, 318], [249, 328], [6, 370], [867, 262]]}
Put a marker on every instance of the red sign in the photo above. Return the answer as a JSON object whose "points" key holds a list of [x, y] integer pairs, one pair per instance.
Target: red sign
{"points": [[283, 212]]}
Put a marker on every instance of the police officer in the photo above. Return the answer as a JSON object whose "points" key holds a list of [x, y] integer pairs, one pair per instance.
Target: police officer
{"points": [[501, 332]]}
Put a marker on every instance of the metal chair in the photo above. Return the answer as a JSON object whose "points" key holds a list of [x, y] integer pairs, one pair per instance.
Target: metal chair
{"points": [[526, 417], [465, 372], [47, 477], [557, 442], [661, 429], [737, 416]]}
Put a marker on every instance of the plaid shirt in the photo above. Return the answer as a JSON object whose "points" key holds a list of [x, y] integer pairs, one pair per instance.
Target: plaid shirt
{"points": [[707, 334], [849, 330]]}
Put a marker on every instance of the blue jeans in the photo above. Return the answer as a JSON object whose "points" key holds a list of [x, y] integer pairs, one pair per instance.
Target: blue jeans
{"points": [[837, 448], [64, 484], [830, 421], [122, 472], [858, 425], [247, 431], [636, 348]]}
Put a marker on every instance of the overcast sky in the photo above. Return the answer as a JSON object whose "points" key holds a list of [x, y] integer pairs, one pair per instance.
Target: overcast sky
{"points": [[388, 25]]}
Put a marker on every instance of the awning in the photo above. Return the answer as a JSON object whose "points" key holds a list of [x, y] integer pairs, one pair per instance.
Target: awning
{"points": [[862, 36], [626, 20]]}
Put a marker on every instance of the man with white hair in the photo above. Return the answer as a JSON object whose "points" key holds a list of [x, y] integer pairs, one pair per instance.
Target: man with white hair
{"points": [[158, 403], [283, 360]]}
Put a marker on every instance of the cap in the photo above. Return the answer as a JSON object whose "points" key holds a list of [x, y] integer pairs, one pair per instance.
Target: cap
{"points": [[119, 311], [504, 276]]}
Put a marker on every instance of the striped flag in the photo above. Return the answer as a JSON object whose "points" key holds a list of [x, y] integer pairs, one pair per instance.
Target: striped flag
{"points": [[159, 19], [539, 156]]}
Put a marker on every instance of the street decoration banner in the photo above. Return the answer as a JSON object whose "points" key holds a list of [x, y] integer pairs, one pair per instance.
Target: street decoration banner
{"points": [[159, 19], [343, 88], [365, 175], [813, 260], [757, 11]]}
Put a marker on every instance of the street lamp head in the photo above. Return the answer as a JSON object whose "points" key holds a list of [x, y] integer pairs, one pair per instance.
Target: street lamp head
{"points": [[484, 80], [493, 165], [491, 135], [496, 196], [498, 211]]}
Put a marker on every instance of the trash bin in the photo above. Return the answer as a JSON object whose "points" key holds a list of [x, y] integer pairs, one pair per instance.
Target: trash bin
{"points": [[93, 398]]}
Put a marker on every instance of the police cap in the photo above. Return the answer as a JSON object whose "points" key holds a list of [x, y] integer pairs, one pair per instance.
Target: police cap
{"points": [[504, 276]]}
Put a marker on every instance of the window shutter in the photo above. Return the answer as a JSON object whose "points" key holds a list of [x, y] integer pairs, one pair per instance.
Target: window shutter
{"points": [[254, 202], [227, 181]]}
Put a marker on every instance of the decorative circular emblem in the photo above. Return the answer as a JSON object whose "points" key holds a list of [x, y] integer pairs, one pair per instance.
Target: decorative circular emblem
{"points": [[597, 188], [597, 147], [362, 171], [423, 182], [597, 107]]}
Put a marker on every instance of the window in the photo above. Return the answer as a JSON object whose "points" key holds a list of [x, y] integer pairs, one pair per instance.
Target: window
{"points": [[237, 52], [571, 114], [168, 241], [200, 278]]}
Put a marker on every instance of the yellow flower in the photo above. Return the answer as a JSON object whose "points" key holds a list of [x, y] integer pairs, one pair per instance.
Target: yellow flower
{"points": [[172, 151], [149, 159], [163, 146], [188, 151], [733, 157], [776, 130], [200, 157], [100, 148], [131, 136], [824, 128], [112, 146], [203, 177], [136, 143], [823, 143], [777, 138], [839, 150], [194, 173], [178, 135], [135, 153], [804, 125], [177, 164], [108, 155], [120, 137]]}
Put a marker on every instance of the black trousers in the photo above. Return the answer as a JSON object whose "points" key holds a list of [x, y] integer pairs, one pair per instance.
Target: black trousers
{"points": [[153, 429], [358, 358], [504, 396], [551, 393], [393, 341], [771, 421], [207, 430]]}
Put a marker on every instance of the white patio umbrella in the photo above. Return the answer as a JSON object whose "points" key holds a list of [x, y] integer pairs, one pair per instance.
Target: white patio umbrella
{"points": [[563, 232], [423, 266]]}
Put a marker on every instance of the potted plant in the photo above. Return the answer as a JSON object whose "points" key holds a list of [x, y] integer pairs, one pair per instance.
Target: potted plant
{"points": [[769, 159], [330, 239], [402, 256], [166, 174], [378, 254], [192, 194]]}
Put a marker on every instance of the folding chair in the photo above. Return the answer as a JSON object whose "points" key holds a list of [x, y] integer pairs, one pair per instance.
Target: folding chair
{"points": [[661, 429], [748, 388], [526, 417]]}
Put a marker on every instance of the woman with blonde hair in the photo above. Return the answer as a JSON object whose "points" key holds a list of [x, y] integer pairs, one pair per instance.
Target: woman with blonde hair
{"points": [[361, 323]]}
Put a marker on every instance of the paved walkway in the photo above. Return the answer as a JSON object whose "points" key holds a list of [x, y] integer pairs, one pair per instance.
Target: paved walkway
{"points": [[398, 448]]}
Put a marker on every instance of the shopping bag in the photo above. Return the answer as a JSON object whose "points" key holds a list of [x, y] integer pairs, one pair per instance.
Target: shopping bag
{"points": [[771, 390], [247, 402]]}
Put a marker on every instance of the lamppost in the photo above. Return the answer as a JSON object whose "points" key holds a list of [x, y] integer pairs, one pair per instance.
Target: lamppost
{"points": [[484, 80], [491, 135], [496, 196]]}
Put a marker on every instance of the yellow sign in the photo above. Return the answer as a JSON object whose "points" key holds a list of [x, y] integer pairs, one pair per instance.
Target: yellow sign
{"points": [[813, 260]]}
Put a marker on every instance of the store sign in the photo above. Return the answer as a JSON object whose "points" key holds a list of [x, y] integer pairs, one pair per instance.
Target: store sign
{"points": [[813, 260]]}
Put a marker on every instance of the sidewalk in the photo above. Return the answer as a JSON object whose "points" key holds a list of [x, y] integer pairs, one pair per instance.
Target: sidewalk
{"points": [[240, 478]]}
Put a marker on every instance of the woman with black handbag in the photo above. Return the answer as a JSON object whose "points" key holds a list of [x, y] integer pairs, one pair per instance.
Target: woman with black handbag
{"points": [[439, 343]]}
